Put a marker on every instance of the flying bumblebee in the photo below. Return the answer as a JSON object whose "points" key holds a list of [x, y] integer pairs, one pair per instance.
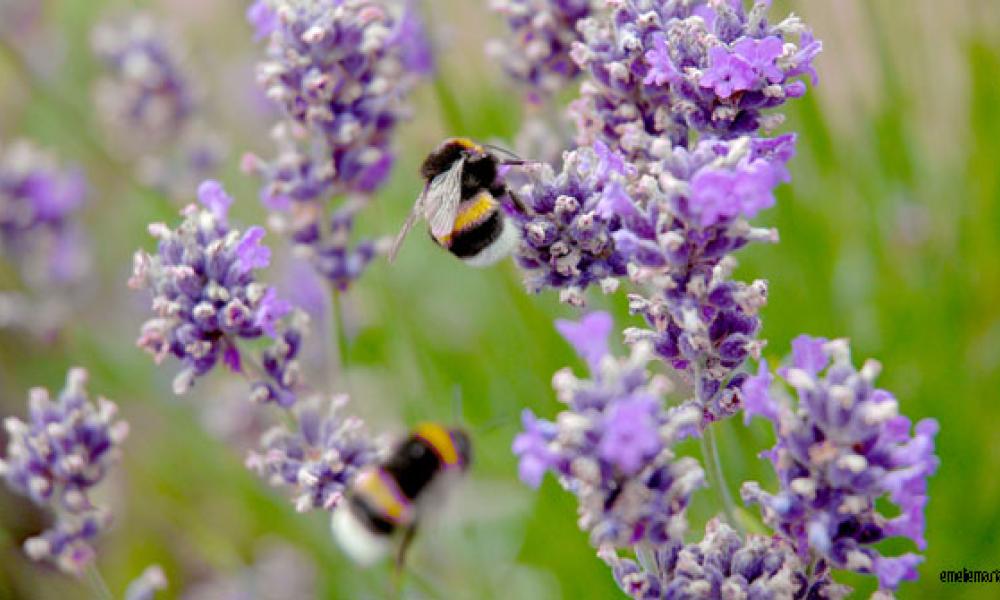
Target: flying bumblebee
{"points": [[388, 498], [461, 202]]}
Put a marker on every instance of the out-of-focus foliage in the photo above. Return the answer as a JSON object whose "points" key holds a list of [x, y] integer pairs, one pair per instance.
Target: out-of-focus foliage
{"points": [[890, 236]]}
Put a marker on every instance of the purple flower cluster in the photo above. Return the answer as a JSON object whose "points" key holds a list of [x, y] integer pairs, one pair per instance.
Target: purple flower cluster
{"points": [[206, 296], [56, 459], [537, 54], [722, 565], [148, 102], [145, 96], [567, 236], [842, 448], [342, 73], [700, 320], [660, 70], [611, 447], [38, 202], [319, 458]]}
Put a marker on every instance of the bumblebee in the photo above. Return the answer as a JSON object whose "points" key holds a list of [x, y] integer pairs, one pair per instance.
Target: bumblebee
{"points": [[461, 202], [388, 498]]}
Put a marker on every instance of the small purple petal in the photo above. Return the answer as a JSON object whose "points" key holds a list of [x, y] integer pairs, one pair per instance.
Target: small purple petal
{"points": [[588, 336]]}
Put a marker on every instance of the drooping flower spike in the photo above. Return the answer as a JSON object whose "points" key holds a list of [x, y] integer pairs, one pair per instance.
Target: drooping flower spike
{"points": [[842, 447]]}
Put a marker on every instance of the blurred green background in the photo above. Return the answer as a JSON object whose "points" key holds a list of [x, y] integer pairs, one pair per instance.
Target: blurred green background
{"points": [[890, 235]]}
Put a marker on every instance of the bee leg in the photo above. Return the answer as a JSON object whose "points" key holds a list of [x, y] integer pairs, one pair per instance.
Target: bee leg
{"points": [[404, 545]]}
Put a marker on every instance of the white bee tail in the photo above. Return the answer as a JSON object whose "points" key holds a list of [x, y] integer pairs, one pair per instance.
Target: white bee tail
{"points": [[360, 544]]}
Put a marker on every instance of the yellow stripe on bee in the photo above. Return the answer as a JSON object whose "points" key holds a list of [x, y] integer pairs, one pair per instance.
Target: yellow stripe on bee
{"points": [[471, 213], [467, 144], [381, 491], [440, 440]]}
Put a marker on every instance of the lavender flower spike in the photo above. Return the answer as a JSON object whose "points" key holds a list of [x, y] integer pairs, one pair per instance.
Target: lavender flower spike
{"points": [[206, 296], [38, 202], [341, 73], [145, 96], [841, 448], [537, 54], [667, 70], [611, 447], [722, 565], [319, 459], [568, 235], [56, 459]]}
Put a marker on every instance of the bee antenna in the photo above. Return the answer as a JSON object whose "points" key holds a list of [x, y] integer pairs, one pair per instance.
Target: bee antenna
{"points": [[504, 151], [494, 424], [456, 403]]}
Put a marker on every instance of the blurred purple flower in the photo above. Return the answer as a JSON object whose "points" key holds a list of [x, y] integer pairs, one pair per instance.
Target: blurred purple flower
{"points": [[630, 435], [56, 459], [38, 204], [536, 54], [319, 458], [588, 336]]}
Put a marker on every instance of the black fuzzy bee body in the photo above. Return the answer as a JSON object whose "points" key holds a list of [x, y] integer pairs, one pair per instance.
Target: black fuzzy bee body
{"points": [[462, 202], [387, 498]]}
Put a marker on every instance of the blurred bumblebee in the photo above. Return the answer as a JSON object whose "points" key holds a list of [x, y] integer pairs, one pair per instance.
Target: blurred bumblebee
{"points": [[461, 202], [390, 497]]}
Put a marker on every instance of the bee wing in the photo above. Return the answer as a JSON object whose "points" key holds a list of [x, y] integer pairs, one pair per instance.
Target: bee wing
{"points": [[418, 209], [442, 198]]}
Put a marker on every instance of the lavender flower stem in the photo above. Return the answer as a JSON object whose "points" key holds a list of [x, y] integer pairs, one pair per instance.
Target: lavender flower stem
{"points": [[96, 581], [717, 479], [337, 307]]}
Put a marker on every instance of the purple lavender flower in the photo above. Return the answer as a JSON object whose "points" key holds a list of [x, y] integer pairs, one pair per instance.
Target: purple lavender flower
{"points": [[841, 448], [206, 297], [665, 70], [317, 460], [537, 53], [722, 565], [38, 202], [701, 321], [146, 96], [56, 459], [149, 582], [611, 448], [340, 72], [568, 237], [264, 18]]}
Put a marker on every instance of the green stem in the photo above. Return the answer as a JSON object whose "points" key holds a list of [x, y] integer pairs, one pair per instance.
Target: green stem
{"points": [[97, 583], [716, 477], [343, 344]]}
